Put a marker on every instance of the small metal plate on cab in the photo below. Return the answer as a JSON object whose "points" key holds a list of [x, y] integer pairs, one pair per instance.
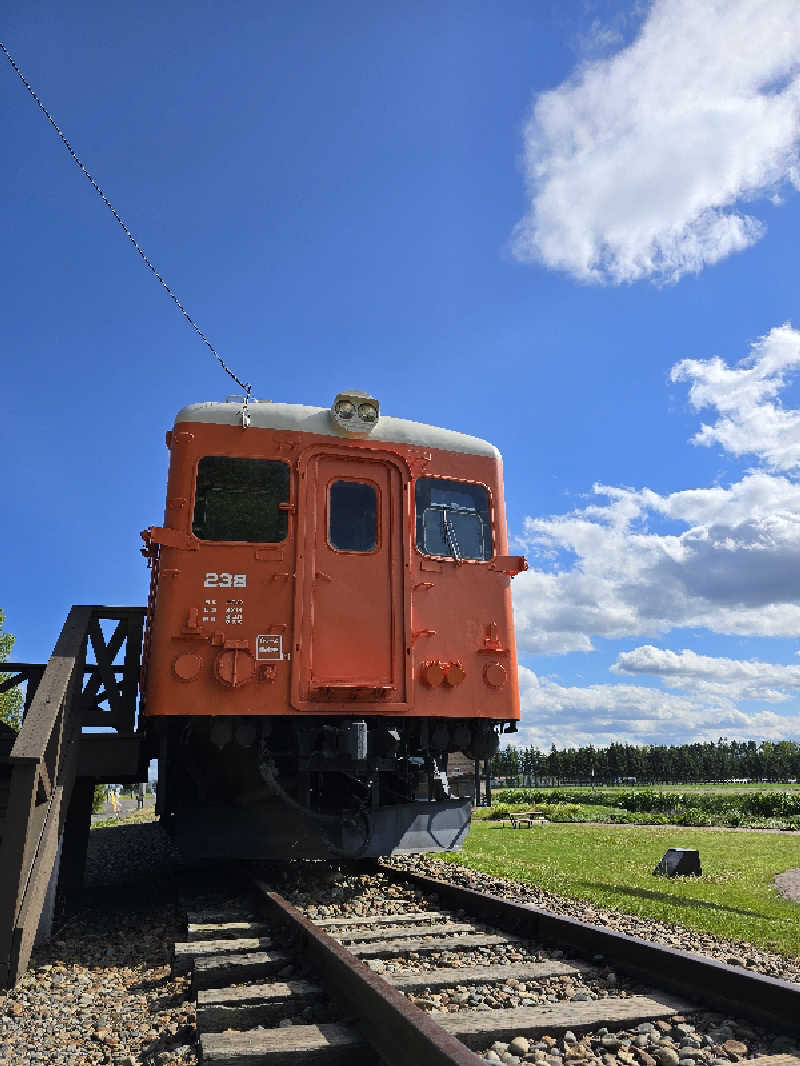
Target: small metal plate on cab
{"points": [[269, 646]]}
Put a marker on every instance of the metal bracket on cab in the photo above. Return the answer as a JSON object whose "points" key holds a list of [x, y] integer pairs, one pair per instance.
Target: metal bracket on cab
{"points": [[169, 538], [509, 564]]}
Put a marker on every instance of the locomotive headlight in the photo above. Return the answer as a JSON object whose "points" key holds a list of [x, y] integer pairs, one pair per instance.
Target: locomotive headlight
{"points": [[355, 413]]}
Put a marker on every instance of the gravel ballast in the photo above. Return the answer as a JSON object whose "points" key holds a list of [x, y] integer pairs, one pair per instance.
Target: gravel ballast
{"points": [[704, 1038], [101, 991]]}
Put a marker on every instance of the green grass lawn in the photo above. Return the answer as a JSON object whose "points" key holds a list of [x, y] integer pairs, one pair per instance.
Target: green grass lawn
{"points": [[712, 786], [612, 867]]}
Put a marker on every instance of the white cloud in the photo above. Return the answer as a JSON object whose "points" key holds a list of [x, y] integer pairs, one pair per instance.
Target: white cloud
{"points": [[734, 569], [611, 702], [571, 716], [638, 166], [732, 679], [733, 564], [751, 420]]}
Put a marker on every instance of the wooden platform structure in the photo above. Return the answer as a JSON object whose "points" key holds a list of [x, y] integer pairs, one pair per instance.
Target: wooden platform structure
{"points": [[48, 771]]}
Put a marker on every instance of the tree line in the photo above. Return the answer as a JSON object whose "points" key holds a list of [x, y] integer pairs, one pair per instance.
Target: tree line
{"points": [[724, 760]]}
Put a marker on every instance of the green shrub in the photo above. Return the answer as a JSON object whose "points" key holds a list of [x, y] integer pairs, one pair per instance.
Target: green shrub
{"points": [[567, 812], [707, 808], [498, 811], [693, 816]]}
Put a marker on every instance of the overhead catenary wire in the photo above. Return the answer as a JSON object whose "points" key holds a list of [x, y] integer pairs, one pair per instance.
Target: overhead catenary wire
{"points": [[148, 263]]}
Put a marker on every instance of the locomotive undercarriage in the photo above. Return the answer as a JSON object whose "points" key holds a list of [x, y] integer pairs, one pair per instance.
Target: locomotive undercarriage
{"points": [[267, 787]]}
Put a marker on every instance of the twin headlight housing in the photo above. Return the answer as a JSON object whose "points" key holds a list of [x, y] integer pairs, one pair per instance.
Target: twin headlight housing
{"points": [[355, 413]]}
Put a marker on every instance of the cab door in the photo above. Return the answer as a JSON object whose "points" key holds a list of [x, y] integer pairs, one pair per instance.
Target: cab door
{"points": [[349, 606]]}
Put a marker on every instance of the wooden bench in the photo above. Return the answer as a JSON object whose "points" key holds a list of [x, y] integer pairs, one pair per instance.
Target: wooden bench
{"points": [[527, 818]]}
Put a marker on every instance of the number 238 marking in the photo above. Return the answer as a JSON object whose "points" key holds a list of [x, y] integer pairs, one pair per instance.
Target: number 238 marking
{"points": [[225, 581]]}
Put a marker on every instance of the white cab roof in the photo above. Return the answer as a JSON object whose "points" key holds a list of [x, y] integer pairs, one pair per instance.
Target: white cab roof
{"points": [[302, 419]]}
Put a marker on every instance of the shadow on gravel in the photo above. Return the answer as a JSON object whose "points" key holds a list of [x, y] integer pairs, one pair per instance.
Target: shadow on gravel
{"points": [[128, 913], [150, 985], [665, 897], [114, 932], [174, 999]]}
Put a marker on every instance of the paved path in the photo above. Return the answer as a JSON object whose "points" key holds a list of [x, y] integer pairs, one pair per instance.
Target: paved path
{"points": [[127, 806]]}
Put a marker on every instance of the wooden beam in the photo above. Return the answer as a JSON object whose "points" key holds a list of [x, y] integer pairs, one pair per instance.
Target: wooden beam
{"points": [[476, 1028]]}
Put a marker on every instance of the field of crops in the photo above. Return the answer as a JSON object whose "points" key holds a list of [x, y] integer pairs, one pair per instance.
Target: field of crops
{"points": [[761, 809]]}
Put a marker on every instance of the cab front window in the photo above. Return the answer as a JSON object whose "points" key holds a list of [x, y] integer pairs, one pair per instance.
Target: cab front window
{"points": [[240, 499], [352, 516], [453, 519]]}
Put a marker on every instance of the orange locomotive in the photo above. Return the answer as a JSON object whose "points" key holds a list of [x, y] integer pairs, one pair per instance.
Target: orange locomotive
{"points": [[329, 617]]}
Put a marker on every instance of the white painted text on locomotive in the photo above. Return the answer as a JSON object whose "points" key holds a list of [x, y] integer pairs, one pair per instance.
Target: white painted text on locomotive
{"points": [[225, 581]]}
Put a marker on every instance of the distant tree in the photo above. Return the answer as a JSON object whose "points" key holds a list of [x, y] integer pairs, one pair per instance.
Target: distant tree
{"points": [[11, 701], [750, 760], [495, 763], [512, 761], [616, 761], [635, 761], [584, 761], [526, 763]]}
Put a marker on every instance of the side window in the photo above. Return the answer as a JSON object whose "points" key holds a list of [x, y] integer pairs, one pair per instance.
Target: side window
{"points": [[239, 499], [352, 516], [453, 519]]}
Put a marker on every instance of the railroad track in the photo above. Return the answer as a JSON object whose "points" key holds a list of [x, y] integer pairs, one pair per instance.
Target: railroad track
{"points": [[275, 988]]}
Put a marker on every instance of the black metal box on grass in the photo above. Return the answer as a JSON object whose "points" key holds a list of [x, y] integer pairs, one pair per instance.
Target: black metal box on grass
{"points": [[680, 862]]}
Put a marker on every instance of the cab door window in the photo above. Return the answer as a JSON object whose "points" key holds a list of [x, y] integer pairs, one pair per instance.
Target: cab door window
{"points": [[240, 499], [352, 516], [453, 519]]}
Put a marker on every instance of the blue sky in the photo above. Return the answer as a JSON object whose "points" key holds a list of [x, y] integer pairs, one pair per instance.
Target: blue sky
{"points": [[570, 228]]}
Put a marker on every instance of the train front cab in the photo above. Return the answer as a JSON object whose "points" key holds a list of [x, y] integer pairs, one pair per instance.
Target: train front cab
{"points": [[330, 617]]}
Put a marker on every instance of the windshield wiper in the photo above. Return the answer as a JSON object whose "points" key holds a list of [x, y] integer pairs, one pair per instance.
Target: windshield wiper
{"points": [[450, 536]]}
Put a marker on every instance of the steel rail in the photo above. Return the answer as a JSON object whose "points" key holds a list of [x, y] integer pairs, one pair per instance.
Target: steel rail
{"points": [[401, 1033], [766, 1000]]}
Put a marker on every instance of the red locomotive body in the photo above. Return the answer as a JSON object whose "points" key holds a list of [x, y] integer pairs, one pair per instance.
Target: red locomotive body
{"points": [[330, 616]]}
